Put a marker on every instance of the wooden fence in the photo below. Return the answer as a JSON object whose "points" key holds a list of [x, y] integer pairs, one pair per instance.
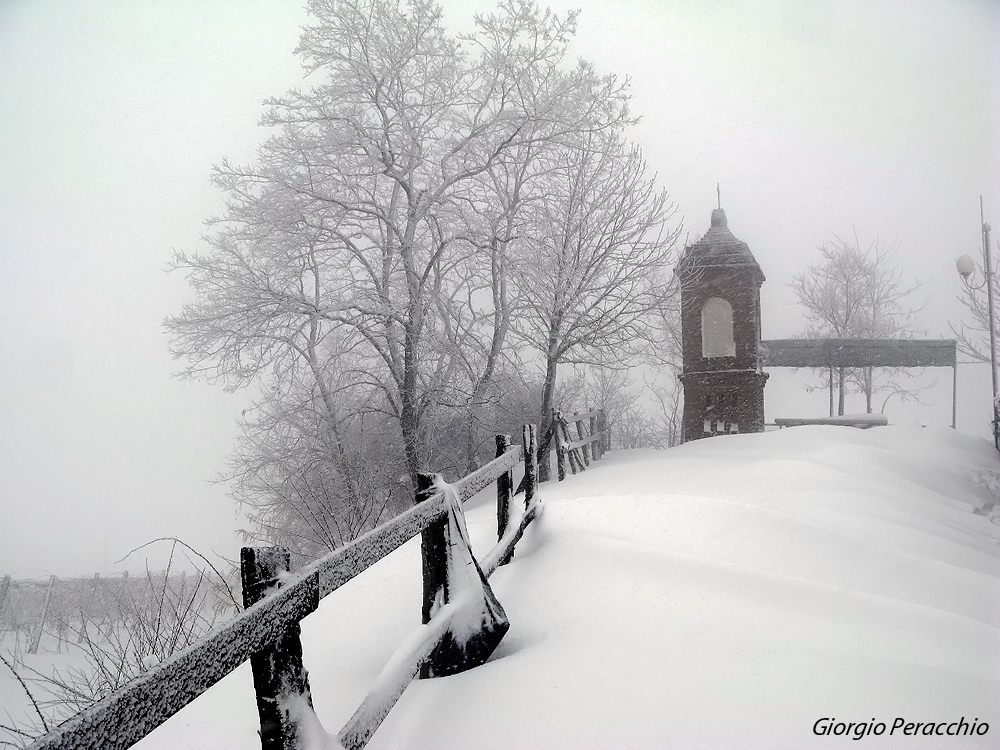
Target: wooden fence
{"points": [[590, 441], [267, 632]]}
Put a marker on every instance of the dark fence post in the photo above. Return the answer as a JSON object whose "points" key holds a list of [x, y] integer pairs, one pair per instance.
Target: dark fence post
{"points": [[596, 449], [505, 485], [560, 445], [529, 438], [433, 556], [584, 450], [278, 672]]}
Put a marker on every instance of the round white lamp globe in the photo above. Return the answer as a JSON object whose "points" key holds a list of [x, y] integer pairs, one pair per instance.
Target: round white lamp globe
{"points": [[966, 266]]}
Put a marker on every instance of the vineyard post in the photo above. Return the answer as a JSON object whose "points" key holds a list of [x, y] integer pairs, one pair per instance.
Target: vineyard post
{"points": [[37, 637]]}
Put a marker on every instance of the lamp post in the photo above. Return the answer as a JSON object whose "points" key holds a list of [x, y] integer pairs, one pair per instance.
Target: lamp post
{"points": [[966, 266]]}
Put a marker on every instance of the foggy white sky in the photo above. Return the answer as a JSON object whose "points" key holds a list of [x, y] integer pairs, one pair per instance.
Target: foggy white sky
{"points": [[816, 117]]}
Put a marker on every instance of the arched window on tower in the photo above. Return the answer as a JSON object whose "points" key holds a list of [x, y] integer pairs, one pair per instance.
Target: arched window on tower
{"points": [[717, 329]]}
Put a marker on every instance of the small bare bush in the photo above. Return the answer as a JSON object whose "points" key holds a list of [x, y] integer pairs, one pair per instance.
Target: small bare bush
{"points": [[120, 627]]}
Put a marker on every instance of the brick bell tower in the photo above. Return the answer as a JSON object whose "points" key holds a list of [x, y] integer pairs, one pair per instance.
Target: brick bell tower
{"points": [[720, 333]]}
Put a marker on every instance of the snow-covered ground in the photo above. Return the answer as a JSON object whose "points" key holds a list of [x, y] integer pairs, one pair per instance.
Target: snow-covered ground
{"points": [[725, 594]]}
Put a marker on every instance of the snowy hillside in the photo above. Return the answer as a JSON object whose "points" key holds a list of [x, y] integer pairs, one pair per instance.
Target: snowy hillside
{"points": [[725, 594]]}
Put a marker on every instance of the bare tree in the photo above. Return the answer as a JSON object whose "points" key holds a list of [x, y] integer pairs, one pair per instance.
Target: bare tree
{"points": [[642, 414], [359, 275], [311, 484], [592, 277], [857, 292]]}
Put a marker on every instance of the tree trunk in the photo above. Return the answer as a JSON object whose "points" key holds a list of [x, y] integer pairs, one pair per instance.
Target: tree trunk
{"points": [[840, 383], [409, 411], [501, 323], [409, 425], [470, 440], [548, 389], [409, 420], [331, 436]]}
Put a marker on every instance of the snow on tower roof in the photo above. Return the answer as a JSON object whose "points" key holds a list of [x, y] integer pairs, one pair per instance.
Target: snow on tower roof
{"points": [[719, 247]]}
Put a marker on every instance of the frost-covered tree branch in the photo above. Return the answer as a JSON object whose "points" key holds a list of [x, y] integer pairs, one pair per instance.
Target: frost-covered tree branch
{"points": [[364, 275], [856, 292]]}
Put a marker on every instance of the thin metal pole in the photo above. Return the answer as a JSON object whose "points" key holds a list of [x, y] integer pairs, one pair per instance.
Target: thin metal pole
{"points": [[954, 395], [987, 257]]}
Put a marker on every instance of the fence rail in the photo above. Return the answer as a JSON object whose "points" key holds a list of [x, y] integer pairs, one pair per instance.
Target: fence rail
{"points": [[266, 632]]}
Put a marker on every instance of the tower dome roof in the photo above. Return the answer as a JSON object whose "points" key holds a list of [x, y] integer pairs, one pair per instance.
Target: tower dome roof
{"points": [[718, 247]]}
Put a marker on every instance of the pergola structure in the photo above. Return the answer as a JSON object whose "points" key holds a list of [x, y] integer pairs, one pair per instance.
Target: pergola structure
{"points": [[836, 353]]}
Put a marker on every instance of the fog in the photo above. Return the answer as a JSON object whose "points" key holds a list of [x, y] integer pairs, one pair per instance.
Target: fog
{"points": [[815, 118]]}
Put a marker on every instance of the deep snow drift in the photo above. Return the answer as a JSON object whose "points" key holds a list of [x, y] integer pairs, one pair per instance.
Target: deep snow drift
{"points": [[725, 594]]}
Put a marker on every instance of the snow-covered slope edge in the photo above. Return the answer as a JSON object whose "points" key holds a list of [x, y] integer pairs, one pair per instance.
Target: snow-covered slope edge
{"points": [[725, 594]]}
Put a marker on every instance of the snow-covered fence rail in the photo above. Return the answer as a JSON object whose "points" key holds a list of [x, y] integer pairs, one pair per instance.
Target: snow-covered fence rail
{"points": [[578, 452], [267, 631]]}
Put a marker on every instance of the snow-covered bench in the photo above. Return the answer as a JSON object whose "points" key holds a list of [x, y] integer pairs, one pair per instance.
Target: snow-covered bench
{"points": [[861, 421]]}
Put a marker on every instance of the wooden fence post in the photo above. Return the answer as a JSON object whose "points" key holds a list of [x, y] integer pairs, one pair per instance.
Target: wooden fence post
{"points": [[433, 560], [584, 450], [575, 464], [278, 673], [529, 438], [564, 439], [596, 449], [560, 445], [505, 484]]}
